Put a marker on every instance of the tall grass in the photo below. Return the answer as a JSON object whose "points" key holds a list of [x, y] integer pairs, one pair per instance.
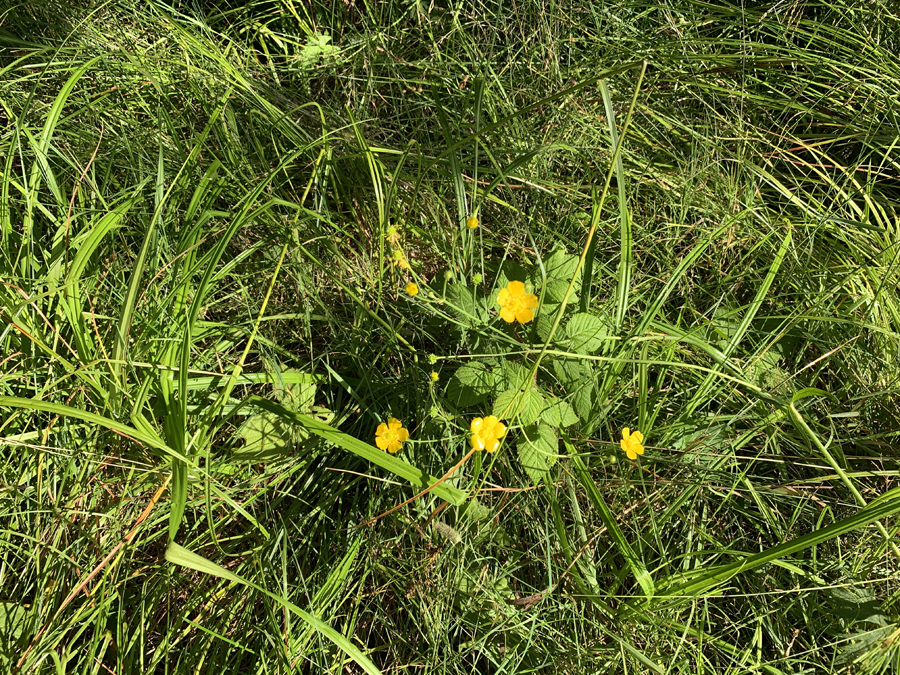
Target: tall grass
{"points": [[203, 323]]}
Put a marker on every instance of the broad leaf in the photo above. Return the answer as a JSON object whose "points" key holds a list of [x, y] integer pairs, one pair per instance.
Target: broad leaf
{"points": [[537, 449], [586, 333]]}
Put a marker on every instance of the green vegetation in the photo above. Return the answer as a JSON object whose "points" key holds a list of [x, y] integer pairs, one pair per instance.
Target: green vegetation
{"points": [[209, 218]]}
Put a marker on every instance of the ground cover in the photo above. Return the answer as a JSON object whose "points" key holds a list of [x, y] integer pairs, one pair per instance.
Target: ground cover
{"points": [[238, 239]]}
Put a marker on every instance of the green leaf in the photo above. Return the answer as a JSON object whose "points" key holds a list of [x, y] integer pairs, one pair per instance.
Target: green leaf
{"points": [[13, 622], [559, 414], [510, 271], [537, 449], [571, 373], [178, 555], [586, 333], [545, 318], [265, 435], [528, 404], [298, 396], [467, 304], [469, 385], [556, 291], [560, 266], [514, 375]]}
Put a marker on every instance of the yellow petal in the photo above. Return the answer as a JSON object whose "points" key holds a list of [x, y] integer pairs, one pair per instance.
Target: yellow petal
{"points": [[502, 297], [412, 289], [494, 446], [402, 434], [638, 436], [626, 432], [525, 315], [507, 315], [394, 423], [477, 443], [531, 301], [499, 430], [382, 442], [631, 453], [516, 287], [382, 429], [476, 425], [393, 447]]}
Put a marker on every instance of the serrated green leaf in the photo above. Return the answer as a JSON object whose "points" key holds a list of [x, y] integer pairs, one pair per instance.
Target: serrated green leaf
{"points": [[556, 291], [559, 414], [469, 385], [528, 404], [560, 266], [264, 434], [537, 448], [586, 333], [514, 375], [477, 376], [468, 304], [545, 320], [582, 400], [572, 373]]}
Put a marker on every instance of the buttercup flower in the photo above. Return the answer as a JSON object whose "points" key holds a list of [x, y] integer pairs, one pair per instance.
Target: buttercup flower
{"points": [[516, 304], [631, 443], [487, 432], [393, 235], [412, 289], [472, 222], [390, 436], [434, 376]]}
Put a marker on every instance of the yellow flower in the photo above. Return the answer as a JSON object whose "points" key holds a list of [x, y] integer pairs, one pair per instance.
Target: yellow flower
{"points": [[472, 222], [487, 432], [516, 304], [434, 376], [631, 443], [399, 259], [390, 436], [393, 235], [412, 289]]}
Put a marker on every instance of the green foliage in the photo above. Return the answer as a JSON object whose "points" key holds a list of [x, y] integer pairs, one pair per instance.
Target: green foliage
{"points": [[203, 322]]}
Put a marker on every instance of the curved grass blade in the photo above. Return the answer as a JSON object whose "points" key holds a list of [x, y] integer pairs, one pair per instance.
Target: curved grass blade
{"points": [[638, 569], [178, 555], [395, 465], [674, 589]]}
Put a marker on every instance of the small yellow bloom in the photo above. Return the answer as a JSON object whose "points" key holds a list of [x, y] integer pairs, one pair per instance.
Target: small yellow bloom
{"points": [[487, 432], [390, 436], [393, 235], [401, 263], [412, 289], [472, 222], [516, 304], [434, 376], [631, 443]]}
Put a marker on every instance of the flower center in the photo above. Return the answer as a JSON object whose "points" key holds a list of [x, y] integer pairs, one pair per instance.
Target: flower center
{"points": [[391, 436], [515, 303]]}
